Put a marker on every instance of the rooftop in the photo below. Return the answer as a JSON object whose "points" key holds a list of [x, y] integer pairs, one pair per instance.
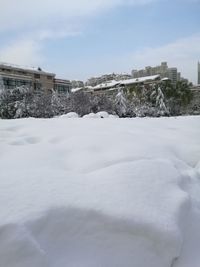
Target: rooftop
{"points": [[114, 83], [24, 68]]}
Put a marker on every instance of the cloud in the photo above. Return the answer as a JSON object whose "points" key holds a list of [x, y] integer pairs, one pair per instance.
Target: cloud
{"points": [[23, 14], [183, 53], [28, 49], [36, 21], [23, 52]]}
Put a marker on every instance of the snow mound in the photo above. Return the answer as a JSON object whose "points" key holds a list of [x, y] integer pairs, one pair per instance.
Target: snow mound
{"points": [[96, 193], [90, 116], [102, 114], [70, 115], [113, 116], [132, 210]]}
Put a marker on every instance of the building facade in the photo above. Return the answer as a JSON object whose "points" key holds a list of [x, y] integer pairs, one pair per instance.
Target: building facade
{"points": [[172, 74], [14, 76], [62, 86], [163, 70], [198, 80]]}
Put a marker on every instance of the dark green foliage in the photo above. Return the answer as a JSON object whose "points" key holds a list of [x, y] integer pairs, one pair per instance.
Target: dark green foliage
{"points": [[180, 93]]}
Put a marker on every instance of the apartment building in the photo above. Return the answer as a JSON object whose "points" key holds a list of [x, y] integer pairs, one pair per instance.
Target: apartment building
{"points": [[172, 74], [13, 76], [163, 70]]}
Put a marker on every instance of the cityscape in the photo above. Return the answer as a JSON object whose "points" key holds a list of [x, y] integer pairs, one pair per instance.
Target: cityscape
{"points": [[14, 75]]}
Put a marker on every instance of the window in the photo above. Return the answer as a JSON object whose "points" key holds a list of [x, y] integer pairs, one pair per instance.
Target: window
{"points": [[49, 77], [18, 83], [37, 76], [21, 72], [37, 86]]}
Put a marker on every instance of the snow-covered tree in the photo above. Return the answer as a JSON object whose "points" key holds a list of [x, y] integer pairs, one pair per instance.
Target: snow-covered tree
{"points": [[1, 84], [56, 103], [121, 103], [14, 102], [159, 98]]}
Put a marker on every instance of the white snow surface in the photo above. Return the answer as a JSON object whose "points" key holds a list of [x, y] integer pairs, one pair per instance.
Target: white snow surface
{"points": [[100, 193]]}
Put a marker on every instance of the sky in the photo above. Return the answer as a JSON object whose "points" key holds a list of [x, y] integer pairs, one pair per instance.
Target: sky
{"points": [[83, 38]]}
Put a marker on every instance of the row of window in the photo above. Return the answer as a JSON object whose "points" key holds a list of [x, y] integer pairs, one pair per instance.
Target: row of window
{"points": [[36, 75], [11, 83], [62, 88], [14, 71]]}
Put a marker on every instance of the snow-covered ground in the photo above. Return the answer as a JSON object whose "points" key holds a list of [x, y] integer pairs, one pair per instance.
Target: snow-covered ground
{"points": [[100, 192]]}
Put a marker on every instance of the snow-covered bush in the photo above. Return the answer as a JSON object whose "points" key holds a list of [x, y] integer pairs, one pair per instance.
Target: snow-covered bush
{"points": [[98, 115], [70, 115], [113, 116], [15, 103], [56, 103], [102, 114], [90, 116]]}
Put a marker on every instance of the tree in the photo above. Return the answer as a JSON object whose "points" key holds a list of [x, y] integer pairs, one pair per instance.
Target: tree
{"points": [[121, 103], [158, 98], [56, 104], [14, 102]]}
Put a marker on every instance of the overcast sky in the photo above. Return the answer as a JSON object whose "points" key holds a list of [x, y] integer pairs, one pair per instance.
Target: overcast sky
{"points": [[78, 39]]}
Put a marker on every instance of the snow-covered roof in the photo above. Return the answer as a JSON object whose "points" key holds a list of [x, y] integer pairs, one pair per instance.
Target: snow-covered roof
{"points": [[106, 85], [114, 83], [74, 90], [165, 79], [25, 68], [140, 80]]}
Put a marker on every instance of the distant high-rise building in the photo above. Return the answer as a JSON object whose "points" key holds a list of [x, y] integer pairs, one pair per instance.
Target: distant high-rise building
{"points": [[148, 71], [162, 70], [198, 82], [173, 75]]}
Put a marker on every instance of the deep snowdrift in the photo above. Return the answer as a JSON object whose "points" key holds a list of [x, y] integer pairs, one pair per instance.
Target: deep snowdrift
{"points": [[108, 192]]}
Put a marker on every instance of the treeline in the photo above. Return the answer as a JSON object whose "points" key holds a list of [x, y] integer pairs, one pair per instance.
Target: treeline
{"points": [[140, 100]]}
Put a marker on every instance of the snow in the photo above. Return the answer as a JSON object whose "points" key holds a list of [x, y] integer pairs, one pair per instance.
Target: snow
{"points": [[99, 115], [90, 193], [105, 85], [74, 90], [103, 114], [140, 79], [114, 83], [90, 115], [70, 115]]}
